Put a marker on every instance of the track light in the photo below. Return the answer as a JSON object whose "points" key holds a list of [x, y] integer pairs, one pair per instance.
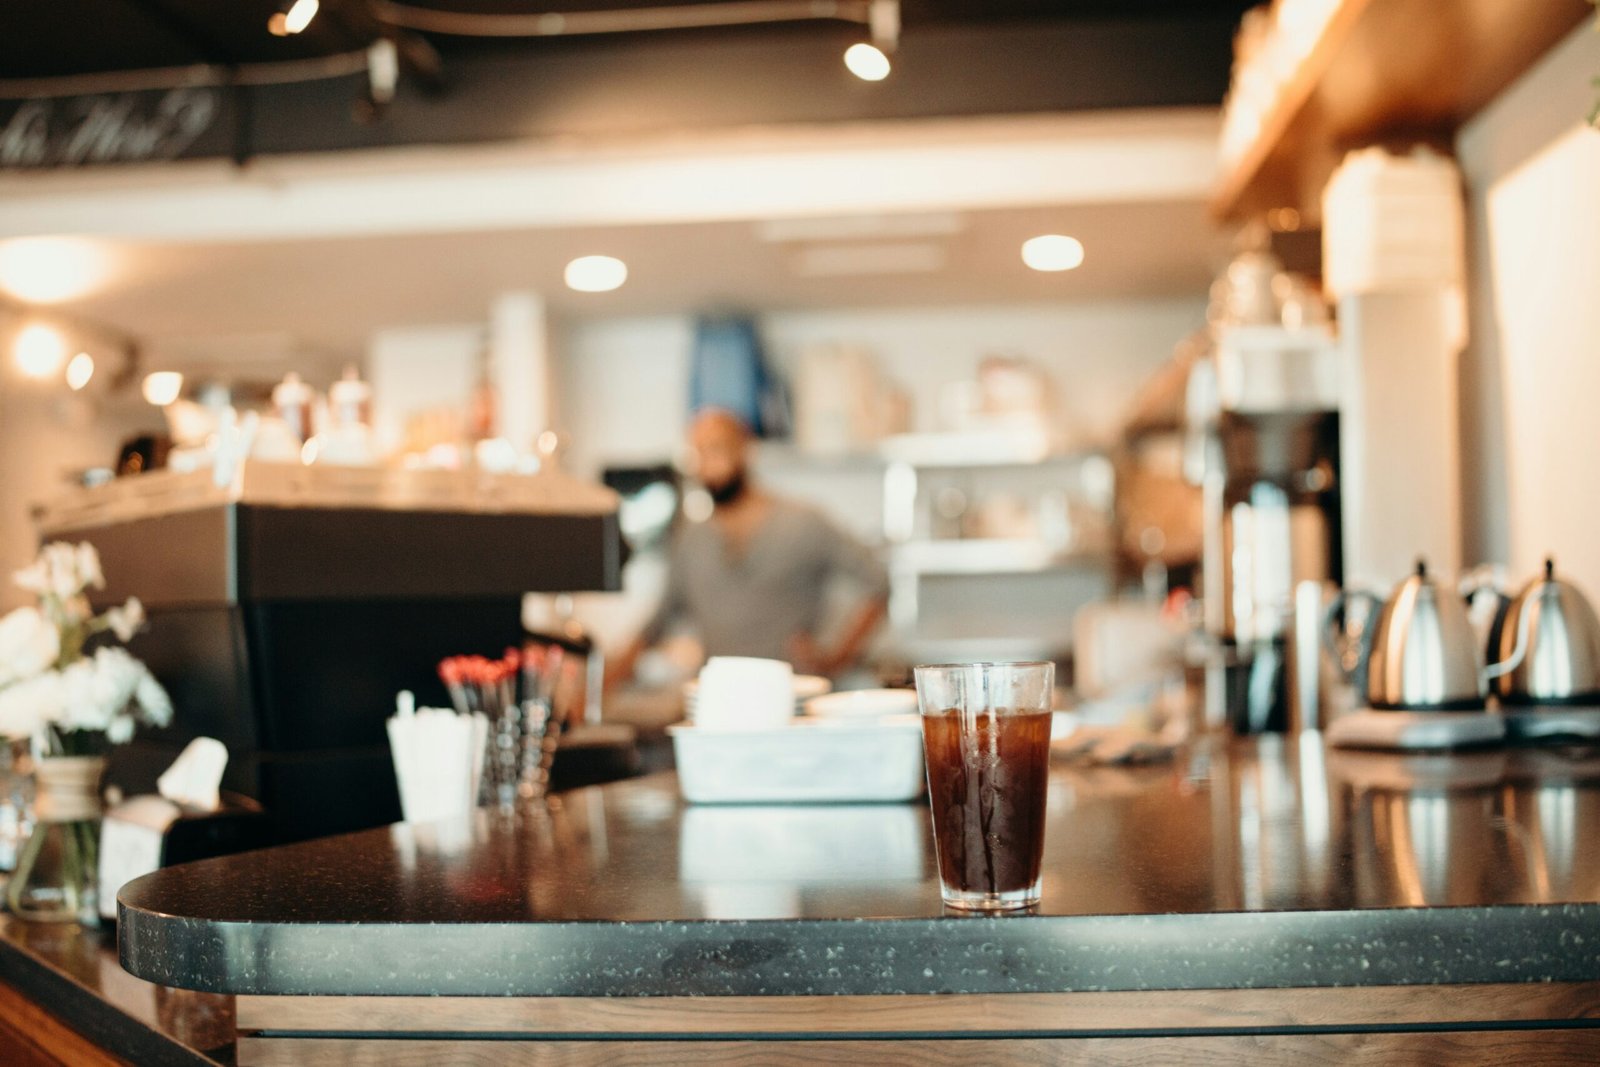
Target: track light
{"points": [[869, 61], [293, 18]]}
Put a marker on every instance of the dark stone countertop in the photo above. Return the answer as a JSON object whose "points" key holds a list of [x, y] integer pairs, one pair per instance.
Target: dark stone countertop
{"points": [[1253, 864]]}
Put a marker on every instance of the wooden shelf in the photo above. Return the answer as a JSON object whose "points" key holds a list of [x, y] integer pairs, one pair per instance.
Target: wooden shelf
{"points": [[1387, 71]]}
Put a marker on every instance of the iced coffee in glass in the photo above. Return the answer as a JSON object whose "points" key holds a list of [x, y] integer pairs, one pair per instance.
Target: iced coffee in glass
{"points": [[986, 736]]}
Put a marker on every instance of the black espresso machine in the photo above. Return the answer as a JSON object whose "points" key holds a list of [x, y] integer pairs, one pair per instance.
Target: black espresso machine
{"points": [[288, 607]]}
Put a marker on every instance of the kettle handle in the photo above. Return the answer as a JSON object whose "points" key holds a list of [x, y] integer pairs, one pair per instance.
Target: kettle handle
{"points": [[1486, 580], [1519, 651], [1349, 654]]}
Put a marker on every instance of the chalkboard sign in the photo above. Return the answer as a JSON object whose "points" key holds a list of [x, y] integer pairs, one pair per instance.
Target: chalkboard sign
{"points": [[105, 128]]}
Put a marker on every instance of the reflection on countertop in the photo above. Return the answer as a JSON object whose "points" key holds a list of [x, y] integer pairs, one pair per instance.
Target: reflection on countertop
{"points": [[1302, 826], [1275, 824], [74, 973]]}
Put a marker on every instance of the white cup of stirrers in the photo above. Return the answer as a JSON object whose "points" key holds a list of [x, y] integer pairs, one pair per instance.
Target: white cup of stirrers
{"points": [[438, 760]]}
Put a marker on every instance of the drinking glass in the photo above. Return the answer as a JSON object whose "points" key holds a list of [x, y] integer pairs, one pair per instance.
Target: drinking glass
{"points": [[986, 737]]}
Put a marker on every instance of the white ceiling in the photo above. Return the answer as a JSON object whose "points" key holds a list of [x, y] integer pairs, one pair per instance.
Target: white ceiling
{"points": [[333, 293], [313, 255]]}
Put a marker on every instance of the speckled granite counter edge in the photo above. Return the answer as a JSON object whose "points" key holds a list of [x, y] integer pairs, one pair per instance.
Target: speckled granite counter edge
{"points": [[1013, 954]]}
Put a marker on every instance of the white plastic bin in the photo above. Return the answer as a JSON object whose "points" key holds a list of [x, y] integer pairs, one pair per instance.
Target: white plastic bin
{"points": [[807, 762]]}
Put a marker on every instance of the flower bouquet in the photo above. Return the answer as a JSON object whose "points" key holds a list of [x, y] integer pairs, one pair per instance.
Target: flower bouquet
{"points": [[74, 704]]}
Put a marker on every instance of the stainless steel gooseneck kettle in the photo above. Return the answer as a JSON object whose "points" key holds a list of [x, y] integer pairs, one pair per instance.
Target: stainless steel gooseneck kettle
{"points": [[1420, 655], [1548, 642]]}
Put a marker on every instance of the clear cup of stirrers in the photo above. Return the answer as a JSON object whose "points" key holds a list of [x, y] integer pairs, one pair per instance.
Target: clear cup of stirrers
{"points": [[515, 694]]}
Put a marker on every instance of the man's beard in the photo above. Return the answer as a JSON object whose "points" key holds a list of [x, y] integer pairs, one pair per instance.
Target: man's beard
{"points": [[728, 491]]}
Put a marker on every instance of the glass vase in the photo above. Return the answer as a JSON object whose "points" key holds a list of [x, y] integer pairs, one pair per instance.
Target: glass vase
{"points": [[57, 874]]}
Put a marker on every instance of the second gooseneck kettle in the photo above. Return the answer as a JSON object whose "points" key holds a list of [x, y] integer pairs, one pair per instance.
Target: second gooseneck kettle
{"points": [[1548, 644]]}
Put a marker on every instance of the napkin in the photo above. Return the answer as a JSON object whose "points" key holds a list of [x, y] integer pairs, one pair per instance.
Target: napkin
{"points": [[132, 833], [195, 776]]}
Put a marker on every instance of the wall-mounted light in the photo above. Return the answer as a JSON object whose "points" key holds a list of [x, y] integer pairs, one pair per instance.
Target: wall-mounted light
{"points": [[39, 350], [80, 368], [50, 270], [1052, 252], [162, 387], [293, 19], [596, 274]]}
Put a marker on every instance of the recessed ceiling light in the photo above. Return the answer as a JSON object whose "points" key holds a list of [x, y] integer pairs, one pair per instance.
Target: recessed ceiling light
{"points": [[79, 370], [596, 274], [39, 350], [1052, 252], [867, 62], [162, 387], [49, 270]]}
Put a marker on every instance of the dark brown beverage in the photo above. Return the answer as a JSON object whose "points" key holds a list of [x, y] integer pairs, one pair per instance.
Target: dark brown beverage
{"points": [[987, 785]]}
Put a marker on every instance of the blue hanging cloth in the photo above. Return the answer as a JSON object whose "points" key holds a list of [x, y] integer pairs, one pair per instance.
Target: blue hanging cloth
{"points": [[727, 370]]}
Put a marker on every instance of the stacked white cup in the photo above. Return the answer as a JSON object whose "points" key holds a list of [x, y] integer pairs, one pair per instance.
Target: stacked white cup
{"points": [[744, 693]]}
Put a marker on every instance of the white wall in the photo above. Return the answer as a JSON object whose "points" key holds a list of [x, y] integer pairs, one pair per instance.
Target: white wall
{"points": [[623, 382], [622, 393], [46, 435], [421, 368], [1531, 376]]}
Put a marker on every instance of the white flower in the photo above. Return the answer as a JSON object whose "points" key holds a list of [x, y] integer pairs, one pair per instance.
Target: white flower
{"points": [[26, 707], [83, 699], [88, 571], [34, 578], [109, 692], [116, 679], [62, 571], [120, 732], [61, 564], [126, 620], [28, 644], [152, 699]]}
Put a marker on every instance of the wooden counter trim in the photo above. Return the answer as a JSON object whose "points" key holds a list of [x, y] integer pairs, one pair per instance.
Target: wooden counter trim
{"points": [[1018, 1013], [31, 1035], [1479, 1048]]}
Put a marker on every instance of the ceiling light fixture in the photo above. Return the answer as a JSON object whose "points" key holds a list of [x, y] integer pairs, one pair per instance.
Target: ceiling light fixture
{"points": [[1052, 252], [79, 370], [867, 62], [293, 19], [883, 16], [50, 270], [39, 350], [162, 387], [596, 274]]}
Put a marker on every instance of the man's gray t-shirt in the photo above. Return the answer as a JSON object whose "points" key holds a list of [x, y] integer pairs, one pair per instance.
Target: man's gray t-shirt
{"points": [[756, 603]]}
